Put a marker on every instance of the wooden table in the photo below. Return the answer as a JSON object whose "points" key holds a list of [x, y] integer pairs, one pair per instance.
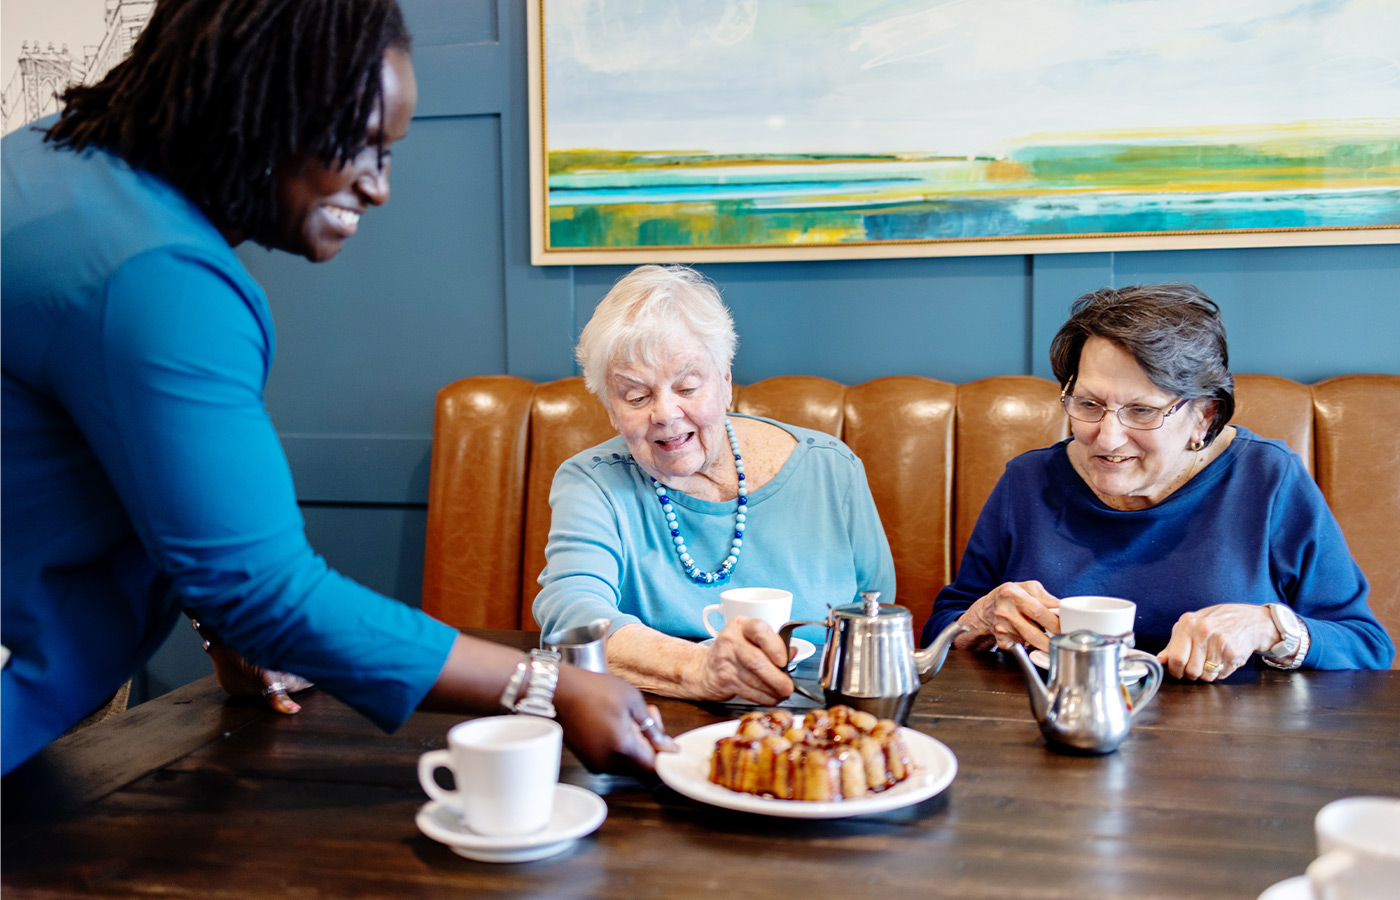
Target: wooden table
{"points": [[1212, 795]]}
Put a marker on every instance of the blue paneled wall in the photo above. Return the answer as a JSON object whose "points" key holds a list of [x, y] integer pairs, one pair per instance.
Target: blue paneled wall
{"points": [[438, 285]]}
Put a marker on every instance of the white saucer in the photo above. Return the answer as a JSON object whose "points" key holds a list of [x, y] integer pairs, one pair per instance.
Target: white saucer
{"points": [[577, 811], [1295, 888], [804, 648], [1129, 674]]}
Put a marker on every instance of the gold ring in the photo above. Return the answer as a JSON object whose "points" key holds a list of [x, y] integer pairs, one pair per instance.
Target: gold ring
{"points": [[1211, 665]]}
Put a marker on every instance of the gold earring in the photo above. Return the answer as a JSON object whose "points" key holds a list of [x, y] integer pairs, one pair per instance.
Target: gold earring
{"points": [[1196, 445]]}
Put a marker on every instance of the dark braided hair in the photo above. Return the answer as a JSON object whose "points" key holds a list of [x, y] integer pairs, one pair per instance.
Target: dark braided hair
{"points": [[1174, 332], [217, 93]]}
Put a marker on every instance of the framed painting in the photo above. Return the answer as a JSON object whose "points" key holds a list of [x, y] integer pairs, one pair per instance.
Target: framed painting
{"points": [[784, 129]]}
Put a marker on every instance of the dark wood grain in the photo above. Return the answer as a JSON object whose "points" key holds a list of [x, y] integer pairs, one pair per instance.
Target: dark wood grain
{"points": [[1212, 795]]}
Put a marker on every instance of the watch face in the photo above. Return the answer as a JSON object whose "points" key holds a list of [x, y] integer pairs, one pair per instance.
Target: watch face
{"points": [[1289, 627]]}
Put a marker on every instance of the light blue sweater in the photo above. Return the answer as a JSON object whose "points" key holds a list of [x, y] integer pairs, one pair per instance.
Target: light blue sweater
{"points": [[812, 530]]}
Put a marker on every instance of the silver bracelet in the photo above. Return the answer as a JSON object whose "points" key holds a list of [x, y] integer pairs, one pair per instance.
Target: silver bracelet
{"points": [[539, 675]]}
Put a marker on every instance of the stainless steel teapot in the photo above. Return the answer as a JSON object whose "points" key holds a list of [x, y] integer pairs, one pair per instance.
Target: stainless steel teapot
{"points": [[1085, 707], [869, 661]]}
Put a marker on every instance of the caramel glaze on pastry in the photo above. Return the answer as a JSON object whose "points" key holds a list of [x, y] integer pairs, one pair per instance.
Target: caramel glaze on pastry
{"points": [[832, 754]]}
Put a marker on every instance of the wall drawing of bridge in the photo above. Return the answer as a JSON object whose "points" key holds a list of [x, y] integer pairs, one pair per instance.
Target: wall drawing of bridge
{"points": [[42, 72]]}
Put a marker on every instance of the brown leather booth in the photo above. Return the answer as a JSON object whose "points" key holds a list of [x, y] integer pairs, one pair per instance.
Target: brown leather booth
{"points": [[932, 451]]}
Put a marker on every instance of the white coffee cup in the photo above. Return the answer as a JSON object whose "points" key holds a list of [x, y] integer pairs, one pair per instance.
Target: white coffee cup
{"points": [[772, 605], [1108, 616], [505, 769], [1358, 845]]}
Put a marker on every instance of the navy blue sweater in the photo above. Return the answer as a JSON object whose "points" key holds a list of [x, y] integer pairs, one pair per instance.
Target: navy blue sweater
{"points": [[1252, 527]]}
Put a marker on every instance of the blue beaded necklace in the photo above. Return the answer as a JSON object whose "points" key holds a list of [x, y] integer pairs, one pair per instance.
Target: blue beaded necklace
{"points": [[691, 569]]}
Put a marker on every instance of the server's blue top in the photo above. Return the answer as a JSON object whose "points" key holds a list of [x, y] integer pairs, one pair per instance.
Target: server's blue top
{"points": [[141, 474], [1251, 527]]}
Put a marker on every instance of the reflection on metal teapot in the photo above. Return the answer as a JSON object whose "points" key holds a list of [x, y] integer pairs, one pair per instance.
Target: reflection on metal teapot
{"points": [[1085, 706], [869, 661]]}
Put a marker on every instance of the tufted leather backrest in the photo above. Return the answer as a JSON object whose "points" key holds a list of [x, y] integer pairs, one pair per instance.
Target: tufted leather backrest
{"points": [[565, 419], [1277, 408], [998, 419], [932, 452], [1358, 469]]}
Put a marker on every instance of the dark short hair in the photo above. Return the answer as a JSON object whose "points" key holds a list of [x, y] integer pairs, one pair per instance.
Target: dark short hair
{"points": [[217, 93], [1174, 332]]}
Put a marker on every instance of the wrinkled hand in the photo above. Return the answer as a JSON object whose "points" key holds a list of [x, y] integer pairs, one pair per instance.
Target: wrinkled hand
{"points": [[1211, 643], [746, 660], [241, 678], [607, 724], [1016, 612]]}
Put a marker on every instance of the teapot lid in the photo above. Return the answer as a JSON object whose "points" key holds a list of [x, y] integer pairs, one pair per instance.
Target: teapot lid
{"points": [[1081, 640], [870, 607]]}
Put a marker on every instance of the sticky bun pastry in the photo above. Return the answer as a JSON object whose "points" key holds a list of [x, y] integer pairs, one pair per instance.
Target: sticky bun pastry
{"points": [[831, 754]]}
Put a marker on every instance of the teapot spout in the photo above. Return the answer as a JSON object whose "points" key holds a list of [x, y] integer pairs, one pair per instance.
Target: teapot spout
{"points": [[930, 659], [1040, 697]]}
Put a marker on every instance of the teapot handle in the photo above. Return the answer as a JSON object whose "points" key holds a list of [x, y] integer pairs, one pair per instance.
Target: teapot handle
{"points": [[785, 633], [1148, 689]]}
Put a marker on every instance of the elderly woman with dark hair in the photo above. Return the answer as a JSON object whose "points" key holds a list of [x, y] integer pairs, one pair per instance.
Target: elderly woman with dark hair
{"points": [[690, 500], [1220, 536]]}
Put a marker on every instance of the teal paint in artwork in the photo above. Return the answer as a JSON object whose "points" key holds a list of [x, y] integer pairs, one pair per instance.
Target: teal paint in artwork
{"points": [[619, 199]]}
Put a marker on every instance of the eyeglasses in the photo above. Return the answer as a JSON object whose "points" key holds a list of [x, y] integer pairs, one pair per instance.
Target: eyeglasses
{"points": [[1138, 418]]}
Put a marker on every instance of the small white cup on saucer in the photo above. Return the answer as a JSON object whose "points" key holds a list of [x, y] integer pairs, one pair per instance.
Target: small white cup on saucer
{"points": [[772, 605], [505, 768], [1358, 844], [1109, 616]]}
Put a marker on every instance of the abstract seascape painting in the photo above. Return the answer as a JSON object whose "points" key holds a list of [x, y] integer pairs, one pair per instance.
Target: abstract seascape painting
{"points": [[667, 130]]}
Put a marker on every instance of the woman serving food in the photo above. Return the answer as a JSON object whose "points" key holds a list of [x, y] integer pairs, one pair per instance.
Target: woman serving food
{"points": [[1220, 536], [690, 500], [142, 476]]}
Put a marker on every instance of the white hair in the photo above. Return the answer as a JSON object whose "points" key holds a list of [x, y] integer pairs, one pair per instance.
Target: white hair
{"points": [[651, 314]]}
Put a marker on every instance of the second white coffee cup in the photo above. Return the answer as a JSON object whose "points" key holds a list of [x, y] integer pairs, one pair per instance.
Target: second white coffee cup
{"points": [[772, 605], [1111, 616], [1358, 842], [505, 768]]}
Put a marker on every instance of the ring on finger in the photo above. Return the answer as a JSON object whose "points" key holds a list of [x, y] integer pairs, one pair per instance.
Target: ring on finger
{"points": [[276, 687], [1211, 665]]}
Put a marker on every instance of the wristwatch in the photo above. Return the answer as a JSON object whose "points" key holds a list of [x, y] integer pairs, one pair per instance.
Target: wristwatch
{"points": [[1294, 646], [539, 674]]}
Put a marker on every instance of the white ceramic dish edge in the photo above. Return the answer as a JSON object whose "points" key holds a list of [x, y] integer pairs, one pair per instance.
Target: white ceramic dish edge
{"points": [[804, 648], [577, 812]]}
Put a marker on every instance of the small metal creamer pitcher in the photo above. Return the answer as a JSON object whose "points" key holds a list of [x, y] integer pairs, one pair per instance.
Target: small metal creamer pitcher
{"points": [[1086, 708], [585, 646], [869, 661]]}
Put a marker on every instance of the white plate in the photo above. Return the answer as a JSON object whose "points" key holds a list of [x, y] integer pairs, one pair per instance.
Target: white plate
{"points": [[804, 648], [688, 773], [577, 812], [1295, 888], [1132, 672]]}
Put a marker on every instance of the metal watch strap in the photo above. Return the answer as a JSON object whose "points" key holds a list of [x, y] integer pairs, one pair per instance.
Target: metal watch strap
{"points": [[539, 674]]}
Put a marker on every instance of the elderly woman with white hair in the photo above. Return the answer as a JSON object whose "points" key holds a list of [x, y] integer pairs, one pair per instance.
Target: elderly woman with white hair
{"points": [[753, 502]]}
